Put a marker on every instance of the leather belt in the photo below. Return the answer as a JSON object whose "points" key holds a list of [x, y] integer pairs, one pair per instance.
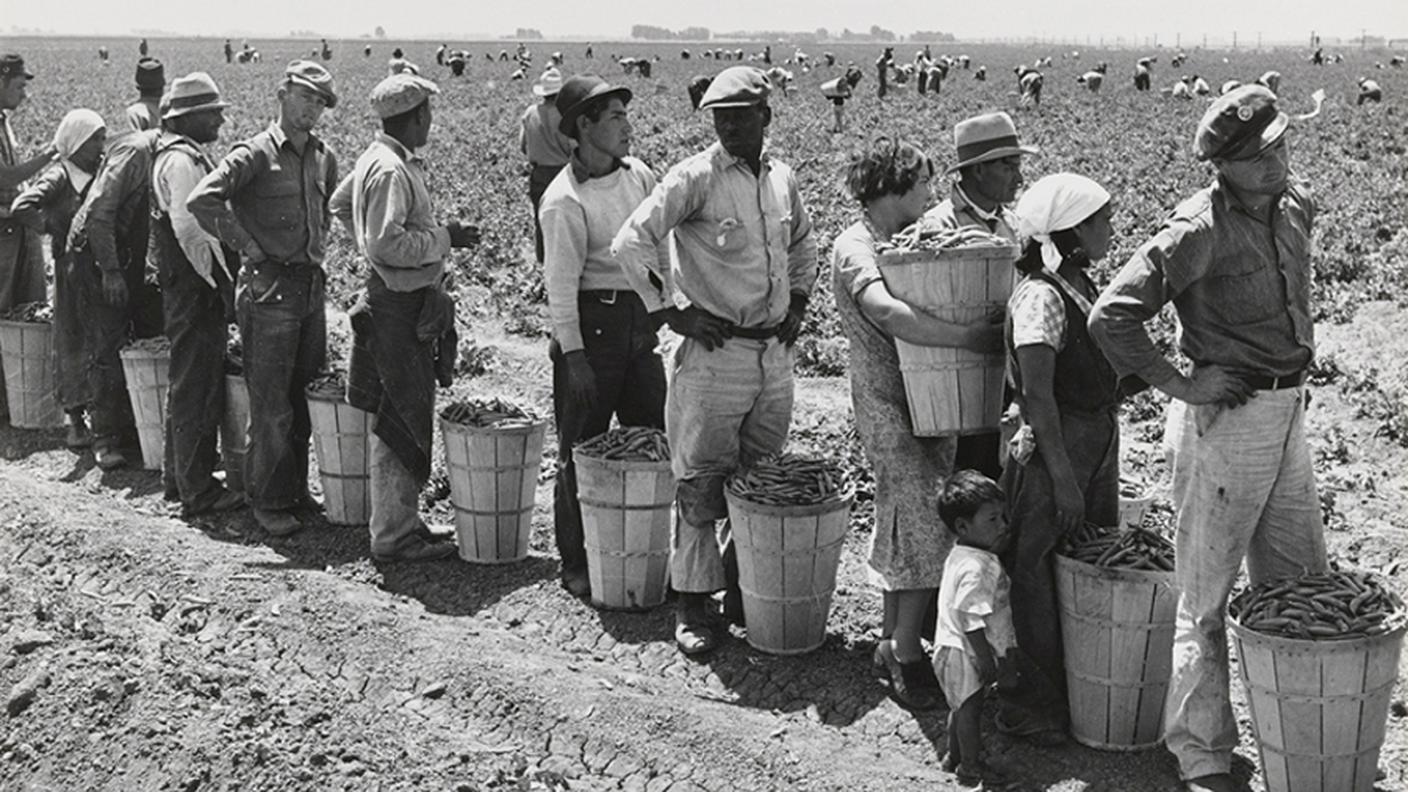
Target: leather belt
{"points": [[605, 296], [1261, 382], [755, 333]]}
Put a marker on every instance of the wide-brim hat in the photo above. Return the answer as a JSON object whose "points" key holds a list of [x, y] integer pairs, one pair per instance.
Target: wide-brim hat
{"points": [[987, 137], [549, 84], [579, 91], [1240, 124], [193, 93]]}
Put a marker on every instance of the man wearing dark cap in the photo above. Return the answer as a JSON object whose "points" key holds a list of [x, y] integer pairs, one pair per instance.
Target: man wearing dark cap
{"points": [[1235, 262], [268, 200], [397, 327], [21, 254], [603, 341], [151, 82], [747, 265]]}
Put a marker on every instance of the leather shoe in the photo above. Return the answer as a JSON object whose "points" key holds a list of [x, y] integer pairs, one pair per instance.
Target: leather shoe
{"points": [[1215, 782], [694, 638], [277, 523], [415, 548], [577, 582], [910, 685], [217, 499], [109, 458]]}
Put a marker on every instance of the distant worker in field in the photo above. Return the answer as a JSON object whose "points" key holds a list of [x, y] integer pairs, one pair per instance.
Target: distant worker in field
{"points": [[103, 55], [151, 83], [838, 91], [1369, 91], [440, 55], [142, 48], [1143, 74], [229, 52], [1271, 80], [989, 169], [1030, 81], [1182, 88], [981, 74], [198, 295], [746, 266], [698, 84], [540, 139], [588, 53], [1243, 477], [1092, 80], [367, 51], [268, 200], [883, 64], [325, 51], [603, 338], [48, 204], [456, 62], [1201, 87], [404, 314]]}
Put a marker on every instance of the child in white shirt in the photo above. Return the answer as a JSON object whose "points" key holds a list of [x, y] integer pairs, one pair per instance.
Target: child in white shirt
{"points": [[974, 625]]}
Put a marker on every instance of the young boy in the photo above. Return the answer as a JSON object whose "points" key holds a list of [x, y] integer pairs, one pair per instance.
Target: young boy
{"points": [[974, 626]]}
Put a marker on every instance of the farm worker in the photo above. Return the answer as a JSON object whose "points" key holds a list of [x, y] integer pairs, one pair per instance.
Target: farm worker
{"points": [[747, 265], [1235, 262], [21, 258], [1142, 76], [145, 113], [48, 204], [142, 48], [989, 171], [404, 315], [325, 51], [892, 181], [1271, 80], [883, 65], [197, 291], [1030, 82], [1091, 80], [1066, 468], [922, 64], [229, 52], [267, 199], [1369, 91], [1201, 87], [117, 291], [541, 140], [603, 340], [981, 74], [1181, 89]]}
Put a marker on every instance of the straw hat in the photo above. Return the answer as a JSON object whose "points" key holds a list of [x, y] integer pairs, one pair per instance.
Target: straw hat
{"points": [[549, 83], [987, 137]]}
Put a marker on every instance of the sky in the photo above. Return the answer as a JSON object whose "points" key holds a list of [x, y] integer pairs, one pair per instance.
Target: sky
{"points": [[1285, 21]]}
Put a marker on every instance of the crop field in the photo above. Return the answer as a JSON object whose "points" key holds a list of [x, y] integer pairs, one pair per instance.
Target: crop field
{"points": [[816, 722]]}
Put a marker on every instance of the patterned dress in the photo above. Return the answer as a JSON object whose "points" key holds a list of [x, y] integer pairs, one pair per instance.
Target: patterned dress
{"points": [[909, 543]]}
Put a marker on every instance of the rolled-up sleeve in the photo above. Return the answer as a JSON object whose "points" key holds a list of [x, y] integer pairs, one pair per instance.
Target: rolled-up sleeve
{"points": [[209, 202], [637, 245], [389, 241], [801, 248]]}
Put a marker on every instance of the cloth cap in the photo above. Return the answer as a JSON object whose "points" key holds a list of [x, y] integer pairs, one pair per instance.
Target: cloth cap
{"points": [[400, 93], [987, 137], [13, 66], [549, 83], [312, 75], [75, 130], [191, 94], [1056, 203], [737, 86], [1240, 124], [578, 92], [151, 75]]}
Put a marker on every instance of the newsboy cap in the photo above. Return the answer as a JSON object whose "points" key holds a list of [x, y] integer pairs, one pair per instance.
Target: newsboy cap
{"points": [[737, 86], [1240, 124], [400, 93], [13, 66], [312, 75]]}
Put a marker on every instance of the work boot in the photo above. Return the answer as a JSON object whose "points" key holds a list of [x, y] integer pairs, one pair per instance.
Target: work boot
{"points": [[277, 522], [694, 633], [216, 499], [109, 458], [416, 548], [78, 435]]}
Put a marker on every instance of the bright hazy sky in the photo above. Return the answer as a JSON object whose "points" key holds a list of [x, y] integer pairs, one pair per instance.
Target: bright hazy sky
{"points": [[1287, 20]]}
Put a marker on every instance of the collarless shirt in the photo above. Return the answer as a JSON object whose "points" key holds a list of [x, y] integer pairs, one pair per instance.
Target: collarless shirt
{"points": [[266, 192], [387, 203], [1240, 283], [743, 242], [540, 139]]}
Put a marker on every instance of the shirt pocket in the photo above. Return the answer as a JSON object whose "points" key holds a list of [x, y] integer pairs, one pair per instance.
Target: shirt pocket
{"points": [[278, 202], [1248, 297]]}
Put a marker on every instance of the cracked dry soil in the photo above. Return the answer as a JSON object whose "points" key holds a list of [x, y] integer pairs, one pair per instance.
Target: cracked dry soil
{"points": [[141, 652]]}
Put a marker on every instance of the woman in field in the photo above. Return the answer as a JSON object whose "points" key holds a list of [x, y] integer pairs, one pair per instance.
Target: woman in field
{"points": [[891, 180], [48, 204], [1064, 470]]}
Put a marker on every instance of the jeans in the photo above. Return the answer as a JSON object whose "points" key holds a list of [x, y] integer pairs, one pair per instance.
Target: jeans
{"points": [[395, 497], [1244, 488], [619, 341], [284, 332], [195, 323]]}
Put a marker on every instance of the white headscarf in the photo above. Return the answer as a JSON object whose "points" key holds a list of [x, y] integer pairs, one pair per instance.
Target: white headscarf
{"points": [[76, 129], [1055, 203]]}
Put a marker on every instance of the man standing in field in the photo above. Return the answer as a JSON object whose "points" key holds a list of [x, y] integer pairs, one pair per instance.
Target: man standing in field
{"points": [[541, 140], [196, 287], [747, 265], [268, 200], [1235, 262], [387, 208], [603, 347], [145, 113], [989, 171]]}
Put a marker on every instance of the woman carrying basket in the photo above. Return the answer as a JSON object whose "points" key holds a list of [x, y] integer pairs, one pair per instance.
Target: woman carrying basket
{"points": [[1065, 459], [891, 180]]}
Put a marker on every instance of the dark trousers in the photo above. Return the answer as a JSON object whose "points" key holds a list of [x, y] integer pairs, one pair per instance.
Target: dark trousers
{"points": [[538, 181], [283, 329], [70, 322], [195, 323], [620, 342]]}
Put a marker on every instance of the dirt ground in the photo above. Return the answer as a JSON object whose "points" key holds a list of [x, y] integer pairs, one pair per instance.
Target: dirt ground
{"points": [[142, 652]]}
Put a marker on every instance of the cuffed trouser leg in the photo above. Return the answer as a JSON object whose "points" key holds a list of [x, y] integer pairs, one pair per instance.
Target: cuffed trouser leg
{"points": [[395, 497]]}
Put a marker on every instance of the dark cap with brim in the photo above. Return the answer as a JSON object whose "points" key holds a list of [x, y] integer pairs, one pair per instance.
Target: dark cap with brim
{"points": [[13, 66], [579, 91], [1240, 124]]}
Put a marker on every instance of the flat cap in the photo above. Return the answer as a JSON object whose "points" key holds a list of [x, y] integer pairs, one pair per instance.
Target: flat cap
{"points": [[13, 66], [312, 75], [737, 86], [401, 92], [1240, 124]]}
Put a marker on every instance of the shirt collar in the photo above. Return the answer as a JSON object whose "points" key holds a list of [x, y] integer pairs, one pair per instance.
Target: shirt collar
{"points": [[961, 200], [1220, 188], [721, 154], [277, 132], [397, 146], [579, 171]]}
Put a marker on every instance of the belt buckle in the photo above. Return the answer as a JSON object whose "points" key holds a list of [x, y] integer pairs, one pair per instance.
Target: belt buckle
{"points": [[604, 300]]}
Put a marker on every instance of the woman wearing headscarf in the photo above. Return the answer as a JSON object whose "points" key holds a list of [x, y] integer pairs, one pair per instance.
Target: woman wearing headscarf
{"points": [[48, 204], [891, 180], [1064, 469]]}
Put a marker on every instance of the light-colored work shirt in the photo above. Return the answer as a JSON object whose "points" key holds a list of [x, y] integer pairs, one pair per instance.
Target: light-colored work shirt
{"points": [[387, 206], [960, 212], [179, 166], [580, 216], [540, 139], [144, 114], [975, 595], [744, 242]]}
